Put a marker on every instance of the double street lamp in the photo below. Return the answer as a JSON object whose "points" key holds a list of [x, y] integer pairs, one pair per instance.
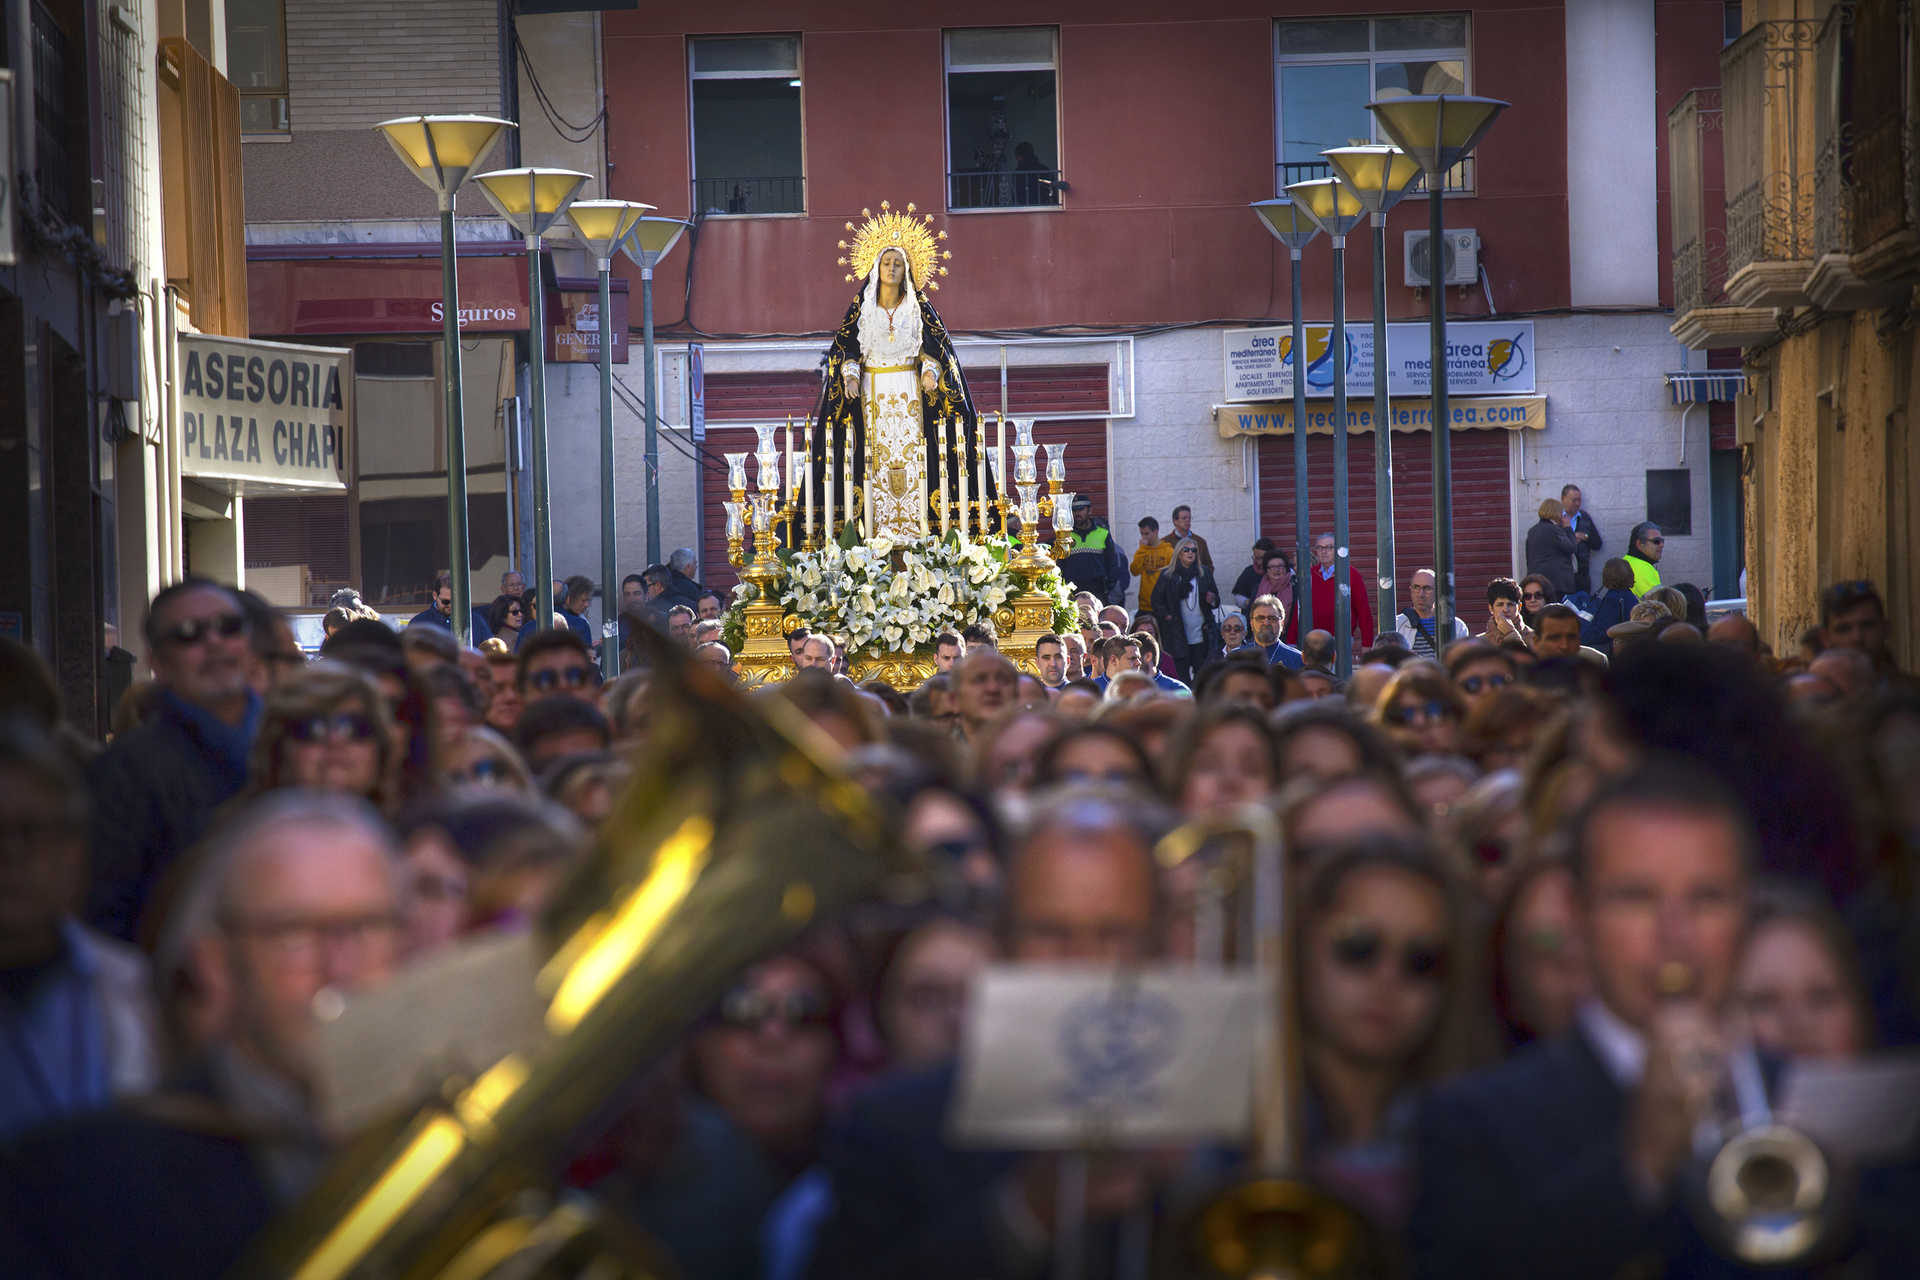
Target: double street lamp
{"points": [[1328, 202], [1378, 176], [600, 226], [651, 240], [442, 151], [532, 201], [1437, 131], [1292, 227]]}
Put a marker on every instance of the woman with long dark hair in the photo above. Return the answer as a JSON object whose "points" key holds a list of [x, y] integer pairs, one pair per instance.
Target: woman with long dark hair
{"points": [[1183, 603]]}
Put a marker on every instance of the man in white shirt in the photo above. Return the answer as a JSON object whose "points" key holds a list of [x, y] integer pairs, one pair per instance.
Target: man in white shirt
{"points": [[1416, 622]]}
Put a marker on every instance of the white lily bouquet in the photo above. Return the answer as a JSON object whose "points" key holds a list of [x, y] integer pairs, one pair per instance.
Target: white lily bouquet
{"points": [[940, 584]]}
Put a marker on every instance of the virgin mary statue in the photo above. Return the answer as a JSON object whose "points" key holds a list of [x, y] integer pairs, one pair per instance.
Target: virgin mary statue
{"points": [[893, 389]]}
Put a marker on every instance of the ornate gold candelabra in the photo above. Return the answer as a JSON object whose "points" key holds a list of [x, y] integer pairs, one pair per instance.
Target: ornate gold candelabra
{"points": [[1032, 608], [763, 656], [1056, 478]]}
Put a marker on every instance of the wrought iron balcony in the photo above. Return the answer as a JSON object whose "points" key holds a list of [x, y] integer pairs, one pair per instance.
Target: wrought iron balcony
{"points": [[1767, 92], [1834, 284], [1004, 189], [1884, 167], [1702, 315]]}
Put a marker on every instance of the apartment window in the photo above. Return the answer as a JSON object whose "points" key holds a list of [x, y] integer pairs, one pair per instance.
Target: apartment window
{"points": [[1327, 70], [1003, 118], [747, 155], [257, 63]]}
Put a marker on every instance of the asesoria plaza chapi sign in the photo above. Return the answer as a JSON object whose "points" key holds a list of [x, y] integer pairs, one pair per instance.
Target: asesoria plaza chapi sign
{"points": [[271, 415], [1483, 358]]}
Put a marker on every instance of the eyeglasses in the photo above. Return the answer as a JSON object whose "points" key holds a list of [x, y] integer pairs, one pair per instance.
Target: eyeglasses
{"points": [[1658, 542], [1361, 950], [514, 611], [347, 726], [953, 849], [445, 602], [744, 1009], [1474, 684], [1428, 713], [486, 771], [549, 680], [300, 940], [1534, 595], [194, 630]]}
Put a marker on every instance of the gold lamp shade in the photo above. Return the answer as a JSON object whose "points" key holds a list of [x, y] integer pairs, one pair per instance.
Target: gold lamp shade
{"points": [[443, 150], [600, 225], [1436, 129], [1328, 202], [1289, 223], [531, 200], [1376, 175], [651, 240]]}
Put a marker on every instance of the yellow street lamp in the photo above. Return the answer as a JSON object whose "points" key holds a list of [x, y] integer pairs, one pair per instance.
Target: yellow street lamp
{"points": [[533, 201], [600, 226], [1438, 131], [652, 239], [1292, 227], [1379, 176], [441, 151], [1331, 204]]}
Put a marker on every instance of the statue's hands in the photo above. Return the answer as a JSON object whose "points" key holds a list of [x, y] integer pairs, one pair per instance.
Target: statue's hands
{"points": [[852, 381], [929, 379]]}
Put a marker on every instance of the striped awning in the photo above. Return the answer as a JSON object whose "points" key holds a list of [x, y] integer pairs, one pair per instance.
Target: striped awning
{"points": [[1698, 387]]}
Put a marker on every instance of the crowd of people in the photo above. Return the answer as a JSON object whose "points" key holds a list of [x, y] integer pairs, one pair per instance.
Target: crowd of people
{"points": [[1501, 845]]}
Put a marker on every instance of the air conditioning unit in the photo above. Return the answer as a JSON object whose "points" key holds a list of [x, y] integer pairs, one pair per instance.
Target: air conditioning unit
{"points": [[1459, 257]]}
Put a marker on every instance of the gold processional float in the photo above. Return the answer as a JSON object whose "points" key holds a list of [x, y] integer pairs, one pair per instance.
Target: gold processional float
{"points": [[957, 495]]}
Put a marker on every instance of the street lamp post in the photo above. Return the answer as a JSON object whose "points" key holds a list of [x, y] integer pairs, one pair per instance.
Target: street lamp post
{"points": [[532, 201], [1328, 202], [1292, 227], [600, 226], [651, 240], [441, 151], [1438, 131], [1379, 176]]}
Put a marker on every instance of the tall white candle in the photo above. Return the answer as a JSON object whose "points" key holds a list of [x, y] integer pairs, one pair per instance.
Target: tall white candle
{"points": [[980, 474], [960, 464], [846, 474], [1000, 446], [806, 481], [826, 483], [944, 433]]}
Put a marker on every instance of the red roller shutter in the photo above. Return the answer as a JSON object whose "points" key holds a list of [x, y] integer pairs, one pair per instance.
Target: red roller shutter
{"points": [[1085, 438], [310, 531], [1482, 497]]}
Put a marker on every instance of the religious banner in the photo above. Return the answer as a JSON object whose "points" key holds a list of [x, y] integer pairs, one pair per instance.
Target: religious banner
{"points": [[272, 412], [1484, 357], [1469, 413], [574, 323]]}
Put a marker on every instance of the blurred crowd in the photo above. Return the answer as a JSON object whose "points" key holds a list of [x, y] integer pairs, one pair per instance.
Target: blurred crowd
{"points": [[1500, 852]]}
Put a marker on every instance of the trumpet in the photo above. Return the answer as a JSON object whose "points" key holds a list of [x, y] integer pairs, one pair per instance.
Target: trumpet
{"points": [[1269, 1222], [1763, 1192]]}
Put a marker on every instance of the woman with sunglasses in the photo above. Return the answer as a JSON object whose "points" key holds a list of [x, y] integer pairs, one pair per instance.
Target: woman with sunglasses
{"points": [[507, 618], [479, 757], [1381, 994], [328, 728], [1421, 711]]}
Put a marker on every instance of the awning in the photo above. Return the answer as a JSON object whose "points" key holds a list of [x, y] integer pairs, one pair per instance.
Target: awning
{"points": [[1704, 386], [1468, 413], [323, 290]]}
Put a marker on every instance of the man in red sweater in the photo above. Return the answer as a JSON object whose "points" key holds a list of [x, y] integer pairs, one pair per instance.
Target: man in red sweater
{"points": [[1320, 577]]}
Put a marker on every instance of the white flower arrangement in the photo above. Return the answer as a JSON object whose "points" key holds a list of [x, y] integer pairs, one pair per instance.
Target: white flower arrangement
{"points": [[939, 584]]}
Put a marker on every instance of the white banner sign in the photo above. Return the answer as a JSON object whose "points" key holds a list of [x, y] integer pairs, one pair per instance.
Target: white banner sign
{"points": [[1484, 357], [273, 412]]}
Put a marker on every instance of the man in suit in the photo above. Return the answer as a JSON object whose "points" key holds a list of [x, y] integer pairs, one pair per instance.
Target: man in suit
{"points": [[1571, 1158], [1586, 535], [296, 893], [1081, 889]]}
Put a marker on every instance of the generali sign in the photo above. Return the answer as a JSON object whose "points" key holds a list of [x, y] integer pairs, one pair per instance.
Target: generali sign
{"points": [[575, 325]]}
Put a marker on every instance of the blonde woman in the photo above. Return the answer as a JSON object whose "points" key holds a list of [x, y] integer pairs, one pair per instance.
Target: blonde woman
{"points": [[328, 728]]}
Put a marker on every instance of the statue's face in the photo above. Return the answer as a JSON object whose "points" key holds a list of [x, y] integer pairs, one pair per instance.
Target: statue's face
{"points": [[893, 267]]}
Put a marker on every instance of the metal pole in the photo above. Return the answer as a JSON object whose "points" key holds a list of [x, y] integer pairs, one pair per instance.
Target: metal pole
{"points": [[653, 430], [1342, 560], [609, 574], [537, 384], [458, 566], [1302, 539], [1442, 446], [1385, 575]]}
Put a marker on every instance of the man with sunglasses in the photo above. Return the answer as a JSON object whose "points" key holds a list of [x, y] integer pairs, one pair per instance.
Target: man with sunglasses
{"points": [[555, 662], [439, 613], [1645, 545], [156, 786]]}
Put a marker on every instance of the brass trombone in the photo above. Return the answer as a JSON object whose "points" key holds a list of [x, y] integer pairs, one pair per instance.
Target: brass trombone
{"points": [[1270, 1222]]}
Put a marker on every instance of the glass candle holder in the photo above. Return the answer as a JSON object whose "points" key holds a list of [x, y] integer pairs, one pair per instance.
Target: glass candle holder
{"points": [[769, 439], [768, 461], [736, 471], [1023, 466], [736, 520], [1022, 431], [1063, 511], [1056, 463], [995, 465]]}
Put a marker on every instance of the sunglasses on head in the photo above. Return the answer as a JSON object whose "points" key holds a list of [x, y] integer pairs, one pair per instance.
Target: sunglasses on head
{"points": [[1361, 950], [1474, 684], [572, 677], [744, 1009], [194, 630], [1428, 713], [347, 726]]}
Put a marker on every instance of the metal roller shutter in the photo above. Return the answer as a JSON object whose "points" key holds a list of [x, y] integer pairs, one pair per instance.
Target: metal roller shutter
{"points": [[1482, 498], [310, 531]]}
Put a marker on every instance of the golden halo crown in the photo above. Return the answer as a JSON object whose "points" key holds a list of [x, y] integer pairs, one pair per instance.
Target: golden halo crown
{"points": [[913, 236]]}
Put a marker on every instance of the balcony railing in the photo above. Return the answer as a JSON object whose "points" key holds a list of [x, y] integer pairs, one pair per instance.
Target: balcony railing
{"points": [[750, 195], [1833, 137], [1767, 89], [1702, 315], [1885, 171], [1004, 189]]}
